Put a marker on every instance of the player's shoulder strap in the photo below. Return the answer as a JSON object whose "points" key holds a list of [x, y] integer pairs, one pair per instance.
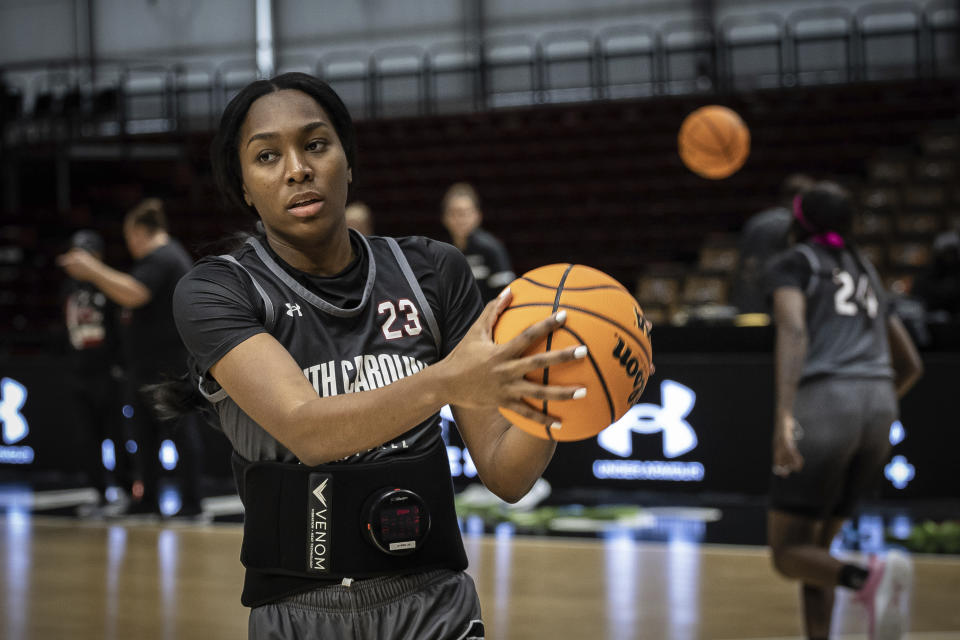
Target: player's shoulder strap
{"points": [[270, 320], [271, 316], [816, 266], [870, 271], [417, 291]]}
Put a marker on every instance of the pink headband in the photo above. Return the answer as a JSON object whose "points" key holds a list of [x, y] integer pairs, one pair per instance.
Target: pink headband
{"points": [[828, 239]]}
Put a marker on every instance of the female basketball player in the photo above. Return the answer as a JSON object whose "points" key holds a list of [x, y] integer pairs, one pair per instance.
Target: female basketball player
{"points": [[313, 342], [842, 360]]}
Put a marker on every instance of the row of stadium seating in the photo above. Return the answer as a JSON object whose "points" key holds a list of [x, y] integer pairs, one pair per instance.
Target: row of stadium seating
{"points": [[595, 183]]}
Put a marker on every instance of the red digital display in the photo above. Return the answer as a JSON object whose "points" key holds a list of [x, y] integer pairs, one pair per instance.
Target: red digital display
{"points": [[399, 524]]}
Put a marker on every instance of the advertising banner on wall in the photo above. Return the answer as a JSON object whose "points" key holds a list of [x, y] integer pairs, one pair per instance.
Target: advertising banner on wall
{"points": [[704, 424]]}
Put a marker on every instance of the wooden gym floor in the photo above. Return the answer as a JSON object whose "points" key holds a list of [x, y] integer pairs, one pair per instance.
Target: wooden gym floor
{"points": [[64, 578]]}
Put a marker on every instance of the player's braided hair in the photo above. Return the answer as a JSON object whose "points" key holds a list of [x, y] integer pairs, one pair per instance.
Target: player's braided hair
{"points": [[824, 210]]}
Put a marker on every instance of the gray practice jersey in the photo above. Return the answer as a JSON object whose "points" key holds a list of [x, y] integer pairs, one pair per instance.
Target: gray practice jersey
{"points": [[393, 311], [846, 315]]}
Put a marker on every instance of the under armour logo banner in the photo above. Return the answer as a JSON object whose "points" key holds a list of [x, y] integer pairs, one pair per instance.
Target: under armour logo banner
{"points": [[293, 308], [678, 435], [13, 396]]}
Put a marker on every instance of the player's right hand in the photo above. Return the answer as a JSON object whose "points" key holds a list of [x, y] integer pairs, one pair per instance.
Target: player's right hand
{"points": [[786, 455], [481, 373]]}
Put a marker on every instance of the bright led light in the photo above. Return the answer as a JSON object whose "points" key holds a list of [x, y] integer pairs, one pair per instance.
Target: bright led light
{"points": [[108, 455], [168, 455], [899, 472], [897, 433], [169, 501], [901, 526]]}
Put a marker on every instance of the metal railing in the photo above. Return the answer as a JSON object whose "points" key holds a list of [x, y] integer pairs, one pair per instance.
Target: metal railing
{"points": [[889, 39]]}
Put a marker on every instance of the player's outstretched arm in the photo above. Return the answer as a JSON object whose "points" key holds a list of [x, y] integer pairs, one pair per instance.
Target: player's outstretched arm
{"points": [[265, 381], [120, 287]]}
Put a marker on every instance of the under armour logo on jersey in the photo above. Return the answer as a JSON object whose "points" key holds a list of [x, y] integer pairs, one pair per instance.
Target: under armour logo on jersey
{"points": [[13, 395], [678, 435], [293, 308]]}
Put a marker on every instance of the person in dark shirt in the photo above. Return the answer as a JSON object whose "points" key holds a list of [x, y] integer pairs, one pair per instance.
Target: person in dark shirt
{"points": [[152, 349], [327, 356], [763, 236], [939, 286], [842, 359], [485, 254], [94, 380]]}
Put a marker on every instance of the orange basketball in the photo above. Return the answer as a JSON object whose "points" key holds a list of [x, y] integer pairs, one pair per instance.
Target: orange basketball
{"points": [[713, 142], [601, 314]]}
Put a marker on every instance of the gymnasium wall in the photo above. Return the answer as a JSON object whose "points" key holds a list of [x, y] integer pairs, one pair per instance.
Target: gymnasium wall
{"points": [[138, 30], [212, 31]]}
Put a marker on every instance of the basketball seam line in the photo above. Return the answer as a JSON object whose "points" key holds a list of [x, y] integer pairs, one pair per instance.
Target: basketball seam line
{"points": [[599, 374], [592, 288], [596, 369], [724, 144], [646, 352], [556, 303], [699, 146]]}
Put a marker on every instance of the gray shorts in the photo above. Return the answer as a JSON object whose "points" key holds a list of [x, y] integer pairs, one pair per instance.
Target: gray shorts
{"points": [[844, 438], [434, 605]]}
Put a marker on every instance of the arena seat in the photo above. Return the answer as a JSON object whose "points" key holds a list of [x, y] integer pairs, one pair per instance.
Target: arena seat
{"points": [[904, 255]]}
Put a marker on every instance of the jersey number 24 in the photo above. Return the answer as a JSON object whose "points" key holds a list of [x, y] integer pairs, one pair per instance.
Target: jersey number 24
{"points": [[852, 296]]}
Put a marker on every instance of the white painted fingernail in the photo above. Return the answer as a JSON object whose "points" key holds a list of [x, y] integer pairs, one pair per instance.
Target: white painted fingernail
{"points": [[556, 425], [505, 292], [561, 315], [580, 352], [580, 393]]}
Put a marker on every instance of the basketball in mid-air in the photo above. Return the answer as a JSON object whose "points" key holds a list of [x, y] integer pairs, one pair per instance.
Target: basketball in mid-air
{"points": [[713, 142], [601, 314]]}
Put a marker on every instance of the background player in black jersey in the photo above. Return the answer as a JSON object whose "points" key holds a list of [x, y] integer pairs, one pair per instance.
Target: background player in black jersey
{"points": [[842, 360], [94, 376], [287, 330], [152, 350], [486, 255], [938, 287]]}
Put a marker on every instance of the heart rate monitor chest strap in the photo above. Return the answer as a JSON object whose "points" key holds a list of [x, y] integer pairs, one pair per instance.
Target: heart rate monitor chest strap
{"points": [[337, 521]]}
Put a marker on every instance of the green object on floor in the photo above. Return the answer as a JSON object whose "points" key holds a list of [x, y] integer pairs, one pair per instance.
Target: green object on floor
{"points": [[541, 518], [932, 537]]}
